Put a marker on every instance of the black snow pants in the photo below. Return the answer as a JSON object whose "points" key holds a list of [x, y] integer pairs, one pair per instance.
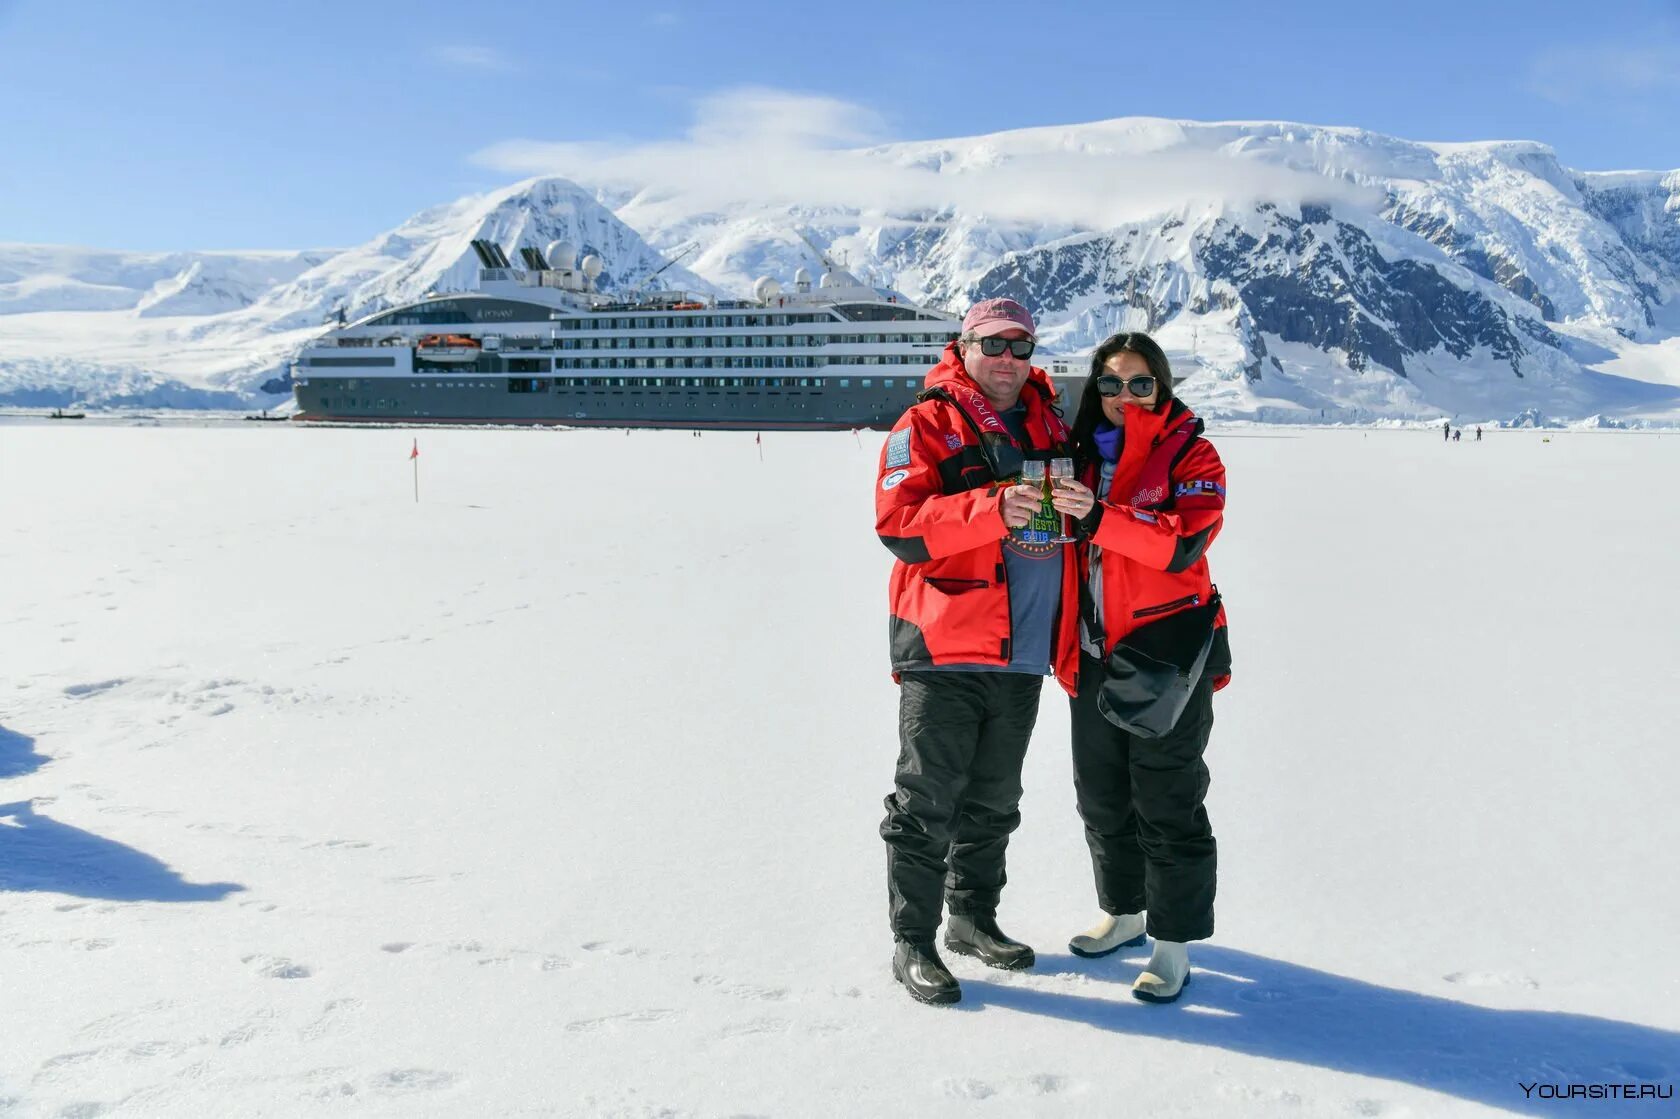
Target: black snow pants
{"points": [[957, 793], [1152, 846]]}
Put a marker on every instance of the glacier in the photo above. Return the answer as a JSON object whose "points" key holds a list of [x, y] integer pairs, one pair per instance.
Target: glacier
{"points": [[1294, 272]]}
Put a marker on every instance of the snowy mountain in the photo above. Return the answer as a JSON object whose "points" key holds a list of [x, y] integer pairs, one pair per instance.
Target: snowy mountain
{"points": [[211, 330], [1294, 272]]}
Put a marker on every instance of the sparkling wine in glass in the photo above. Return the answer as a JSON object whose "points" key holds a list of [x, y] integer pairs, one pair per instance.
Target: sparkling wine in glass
{"points": [[1061, 473], [1040, 528]]}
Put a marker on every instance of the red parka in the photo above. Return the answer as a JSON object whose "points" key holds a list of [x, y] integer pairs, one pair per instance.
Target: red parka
{"points": [[938, 509], [1164, 508]]}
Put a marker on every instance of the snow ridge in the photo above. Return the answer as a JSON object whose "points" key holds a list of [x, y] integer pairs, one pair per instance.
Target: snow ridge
{"points": [[1293, 272]]}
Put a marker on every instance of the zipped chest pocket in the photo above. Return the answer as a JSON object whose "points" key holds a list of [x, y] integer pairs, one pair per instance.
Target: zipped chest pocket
{"points": [[1167, 607], [955, 586]]}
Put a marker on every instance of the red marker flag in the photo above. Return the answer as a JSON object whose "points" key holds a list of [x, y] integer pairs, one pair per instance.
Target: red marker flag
{"points": [[415, 453]]}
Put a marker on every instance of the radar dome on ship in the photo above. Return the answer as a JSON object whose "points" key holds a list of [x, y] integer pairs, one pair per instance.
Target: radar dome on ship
{"points": [[592, 266], [561, 254], [840, 279], [766, 288], [802, 276]]}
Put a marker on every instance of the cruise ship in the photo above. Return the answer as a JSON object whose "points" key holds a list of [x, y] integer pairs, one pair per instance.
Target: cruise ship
{"points": [[540, 345]]}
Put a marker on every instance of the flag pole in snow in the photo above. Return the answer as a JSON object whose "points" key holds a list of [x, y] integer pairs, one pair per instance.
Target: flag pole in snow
{"points": [[759, 439], [414, 457]]}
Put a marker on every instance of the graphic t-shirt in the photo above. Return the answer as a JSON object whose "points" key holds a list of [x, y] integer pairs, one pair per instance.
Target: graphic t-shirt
{"points": [[1034, 575]]}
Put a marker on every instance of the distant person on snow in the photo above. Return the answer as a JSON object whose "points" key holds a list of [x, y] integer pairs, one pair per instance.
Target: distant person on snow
{"points": [[1457, 433], [1150, 500], [1478, 433], [977, 620], [1446, 432]]}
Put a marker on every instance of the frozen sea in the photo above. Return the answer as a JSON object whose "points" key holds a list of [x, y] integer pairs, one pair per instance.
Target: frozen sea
{"points": [[555, 792]]}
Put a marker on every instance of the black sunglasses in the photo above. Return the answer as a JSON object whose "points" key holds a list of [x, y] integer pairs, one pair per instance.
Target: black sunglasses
{"points": [[1018, 347], [1140, 386]]}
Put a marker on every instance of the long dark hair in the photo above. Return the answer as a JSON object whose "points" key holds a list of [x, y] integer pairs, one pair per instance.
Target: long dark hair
{"points": [[1090, 402]]}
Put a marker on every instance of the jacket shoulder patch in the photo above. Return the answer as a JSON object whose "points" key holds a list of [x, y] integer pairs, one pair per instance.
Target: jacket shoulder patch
{"points": [[898, 449]]}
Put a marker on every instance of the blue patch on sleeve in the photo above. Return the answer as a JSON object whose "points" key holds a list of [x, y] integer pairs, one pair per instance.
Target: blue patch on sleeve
{"points": [[1146, 518], [898, 449], [1199, 486]]}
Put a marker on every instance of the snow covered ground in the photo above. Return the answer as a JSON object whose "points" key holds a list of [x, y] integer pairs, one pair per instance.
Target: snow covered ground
{"points": [[556, 792]]}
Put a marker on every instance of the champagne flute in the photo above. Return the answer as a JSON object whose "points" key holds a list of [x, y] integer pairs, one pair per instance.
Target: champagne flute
{"points": [[1034, 531], [1061, 472]]}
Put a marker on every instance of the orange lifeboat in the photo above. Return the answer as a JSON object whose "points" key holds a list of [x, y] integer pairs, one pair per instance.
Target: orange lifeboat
{"points": [[453, 348]]}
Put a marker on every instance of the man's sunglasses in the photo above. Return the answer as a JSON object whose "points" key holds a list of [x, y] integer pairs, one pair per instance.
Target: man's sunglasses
{"points": [[1138, 386], [1018, 347]]}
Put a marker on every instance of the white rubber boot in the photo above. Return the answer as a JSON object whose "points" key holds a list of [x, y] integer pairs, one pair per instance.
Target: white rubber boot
{"points": [[1166, 976], [1109, 935]]}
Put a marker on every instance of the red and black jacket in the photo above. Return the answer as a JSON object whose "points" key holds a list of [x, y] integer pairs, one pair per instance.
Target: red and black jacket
{"points": [[938, 498], [1164, 508]]}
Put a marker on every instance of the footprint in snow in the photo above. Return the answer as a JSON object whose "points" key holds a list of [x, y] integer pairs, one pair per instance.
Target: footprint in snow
{"points": [[742, 990], [1258, 994], [1492, 979], [404, 1081], [277, 967], [590, 1025], [82, 691], [614, 949]]}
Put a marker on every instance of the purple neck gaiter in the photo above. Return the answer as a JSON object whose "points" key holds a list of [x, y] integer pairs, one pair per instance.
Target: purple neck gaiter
{"points": [[1107, 438]]}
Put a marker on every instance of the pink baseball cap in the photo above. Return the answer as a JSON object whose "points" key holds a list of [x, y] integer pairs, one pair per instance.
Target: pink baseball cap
{"points": [[994, 316]]}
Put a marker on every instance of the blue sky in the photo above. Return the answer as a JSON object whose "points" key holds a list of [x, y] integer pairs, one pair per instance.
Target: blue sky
{"points": [[312, 124]]}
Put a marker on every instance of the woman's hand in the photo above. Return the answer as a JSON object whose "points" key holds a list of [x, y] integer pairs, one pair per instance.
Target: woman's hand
{"points": [[1073, 498]]}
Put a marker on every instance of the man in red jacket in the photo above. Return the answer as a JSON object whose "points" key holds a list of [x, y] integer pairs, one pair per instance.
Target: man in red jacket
{"points": [[979, 616]]}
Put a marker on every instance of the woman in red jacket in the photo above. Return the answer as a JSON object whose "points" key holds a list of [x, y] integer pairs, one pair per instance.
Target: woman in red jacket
{"points": [[1150, 500]]}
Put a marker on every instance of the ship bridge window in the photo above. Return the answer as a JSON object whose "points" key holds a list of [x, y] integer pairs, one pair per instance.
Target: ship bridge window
{"points": [[476, 309], [876, 312]]}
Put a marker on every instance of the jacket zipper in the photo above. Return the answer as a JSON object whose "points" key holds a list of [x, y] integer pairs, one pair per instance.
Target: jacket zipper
{"points": [[939, 583], [1147, 611]]}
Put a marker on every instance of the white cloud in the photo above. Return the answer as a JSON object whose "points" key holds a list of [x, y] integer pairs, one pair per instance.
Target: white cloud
{"points": [[467, 57], [1567, 75], [779, 149]]}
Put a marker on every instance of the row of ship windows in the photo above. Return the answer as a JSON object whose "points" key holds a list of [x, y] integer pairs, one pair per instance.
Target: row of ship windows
{"points": [[453, 314], [391, 404], [541, 384], [661, 322], [774, 361], [742, 341]]}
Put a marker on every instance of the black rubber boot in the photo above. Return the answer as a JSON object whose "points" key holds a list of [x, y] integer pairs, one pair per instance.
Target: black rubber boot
{"points": [[981, 938], [924, 974]]}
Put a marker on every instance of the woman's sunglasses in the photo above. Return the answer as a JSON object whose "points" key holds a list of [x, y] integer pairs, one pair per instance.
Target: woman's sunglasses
{"points": [[1138, 386], [1018, 347]]}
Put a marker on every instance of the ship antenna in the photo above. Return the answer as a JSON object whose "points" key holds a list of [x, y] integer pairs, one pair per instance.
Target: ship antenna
{"points": [[654, 275]]}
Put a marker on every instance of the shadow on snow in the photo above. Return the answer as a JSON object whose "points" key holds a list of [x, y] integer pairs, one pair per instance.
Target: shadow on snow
{"points": [[1285, 1012], [39, 853], [17, 754]]}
